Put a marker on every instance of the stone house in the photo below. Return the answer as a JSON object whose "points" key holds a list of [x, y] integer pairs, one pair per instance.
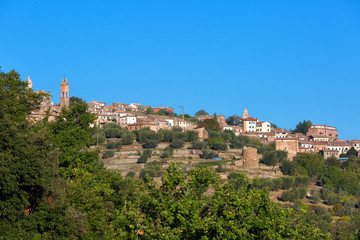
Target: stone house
{"points": [[287, 144]]}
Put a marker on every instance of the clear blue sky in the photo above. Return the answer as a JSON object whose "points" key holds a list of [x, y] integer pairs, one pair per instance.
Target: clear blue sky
{"points": [[286, 61]]}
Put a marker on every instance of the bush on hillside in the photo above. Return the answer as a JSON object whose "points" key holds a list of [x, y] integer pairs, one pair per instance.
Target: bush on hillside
{"points": [[149, 143], [199, 145], [113, 145], [127, 138], [177, 143], [208, 154], [108, 154], [287, 182], [301, 181], [219, 146], [151, 169], [168, 152], [276, 184]]}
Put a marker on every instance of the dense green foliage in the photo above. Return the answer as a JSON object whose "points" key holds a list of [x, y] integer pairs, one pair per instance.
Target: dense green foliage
{"points": [[302, 127], [53, 186]]}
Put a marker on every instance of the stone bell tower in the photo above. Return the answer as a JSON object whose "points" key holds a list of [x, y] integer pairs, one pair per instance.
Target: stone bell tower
{"points": [[29, 82], [246, 114], [64, 93]]}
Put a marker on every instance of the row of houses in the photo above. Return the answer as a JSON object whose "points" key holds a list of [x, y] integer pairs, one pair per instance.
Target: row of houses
{"points": [[319, 138], [135, 117]]}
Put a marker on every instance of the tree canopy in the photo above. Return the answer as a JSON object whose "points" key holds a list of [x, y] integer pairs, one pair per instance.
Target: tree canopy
{"points": [[302, 127], [201, 112]]}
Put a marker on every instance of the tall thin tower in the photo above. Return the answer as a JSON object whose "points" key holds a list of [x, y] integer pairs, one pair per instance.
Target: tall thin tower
{"points": [[64, 93]]}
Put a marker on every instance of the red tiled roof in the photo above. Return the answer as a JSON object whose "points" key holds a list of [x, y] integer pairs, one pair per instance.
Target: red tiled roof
{"points": [[249, 119]]}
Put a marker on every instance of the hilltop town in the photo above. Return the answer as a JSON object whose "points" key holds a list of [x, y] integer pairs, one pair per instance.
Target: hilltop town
{"points": [[135, 116], [144, 159]]}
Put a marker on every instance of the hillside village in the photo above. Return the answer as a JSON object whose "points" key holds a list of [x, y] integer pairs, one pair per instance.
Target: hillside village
{"points": [[134, 116], [309, 170]]}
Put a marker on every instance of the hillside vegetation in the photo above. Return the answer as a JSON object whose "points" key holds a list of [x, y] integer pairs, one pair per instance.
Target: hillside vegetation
{"points": [[54, 186]]}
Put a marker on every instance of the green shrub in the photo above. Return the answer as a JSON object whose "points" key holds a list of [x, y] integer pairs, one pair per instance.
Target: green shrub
{"points": [[288, 168], [130, 174], [177, 143], [291, 196], [142, 159], [266, 182], [113, 145], [238, 180], [316, 196], [179, 136], [192, 136], [99, 137], [276, 184], [149, 143], [236, 144], [274, 157], [219, 146], [146, 134], [348, 209], [108, 154], [199, 145], [301, 181], [151, 169], [208, 154], [287, 182], [127, 138], [168, 152], [302, 192], [144, 156]]}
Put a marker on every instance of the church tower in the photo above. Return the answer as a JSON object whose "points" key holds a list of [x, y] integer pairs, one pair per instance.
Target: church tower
{"points": [[246, 114], [64, 93], [29, 82]]}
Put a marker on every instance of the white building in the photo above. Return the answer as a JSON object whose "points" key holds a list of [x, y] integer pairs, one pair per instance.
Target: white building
{"points": [[249, 124], [263, 126], [125, 120], [281, 134]]}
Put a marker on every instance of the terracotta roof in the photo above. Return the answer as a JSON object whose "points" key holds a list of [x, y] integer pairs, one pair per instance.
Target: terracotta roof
{"points": [[337, 144], [249, 119]]}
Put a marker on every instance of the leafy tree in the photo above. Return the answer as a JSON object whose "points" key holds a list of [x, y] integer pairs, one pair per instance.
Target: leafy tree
{"points": [[219, 146], [313, 163], [177, 143], [233, 120], [352, 152], [29, 173], [287, 182], [146, 154], [149, 110], [274, 157], [333, 161], [302, 127], [113, 145], [191, 136], [76, 99], [210, 124], [289, 168], [152, 169], [208, 154], [127, 138], [108, 154], [150, 143], [199, 145], [168, 152], [201, 112], [72, 135]]}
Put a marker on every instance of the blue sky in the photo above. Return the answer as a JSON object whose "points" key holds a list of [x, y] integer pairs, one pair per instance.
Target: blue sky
{"points": [[286, 61]]}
